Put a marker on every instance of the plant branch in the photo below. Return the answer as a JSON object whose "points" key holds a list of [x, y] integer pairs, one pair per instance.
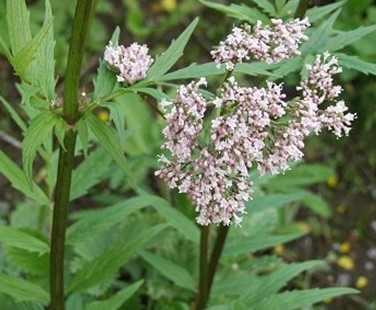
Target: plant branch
{"points": [[202, 295], [216, 254], [302, 8], [66, 157]]}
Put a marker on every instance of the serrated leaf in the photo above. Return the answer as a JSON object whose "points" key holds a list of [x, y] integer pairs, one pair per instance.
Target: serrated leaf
{"points": [[236, 247], [110, 142], [21, 290], [170, 270], [5, 50], [83, 134], [105, 81], [290, 8], [319, 38], [117, 300], [105, 266], [18, 180], [255, 69], [89, 173], [270, 284], [14, 115], [194, 71], [286, 67], [301, 299], [266, 6], [39, 130], [165, 61], [319, 12], [44, 75], [18, 22], [155, 93], [261, 203], [31, 263], [354, 62], [22, 240], [240, 12], [346, 38], [60, 130], [99, 221], [26, 55]]}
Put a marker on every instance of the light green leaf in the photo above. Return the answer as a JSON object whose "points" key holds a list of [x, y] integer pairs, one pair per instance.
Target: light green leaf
{"points": [[27, 54], [5, 50], [240, 12], [236, 247], [31, 263], [110, 142], [21, 290], [89, 173], [44, 65], [104, 82], [194, 71], [14, 115], [261, 203], [155, 93], [319, 12], [165, 61], [60, 129], [105, 266], [18, 22], [255, 69], [290, 8], [266, 6], [346, 38], [117, 300], [99, 221], [354, 62], [316, 204], [83, 134], [301, 299], [272, 283], [22, 240], [18, 180], [319, 39], [170, 270], [39, 130]]}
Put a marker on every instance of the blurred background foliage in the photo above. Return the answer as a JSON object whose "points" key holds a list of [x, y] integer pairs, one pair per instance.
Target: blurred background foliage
{"points": [[343, 226]]}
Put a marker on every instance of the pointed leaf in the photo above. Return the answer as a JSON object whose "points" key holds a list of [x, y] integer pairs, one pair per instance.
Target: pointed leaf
{"points": [[170, 270], [165, 61], [319, 12], [18, 22], [354, 62], [40, 129], [105, 266], [22, 240], [21, 290], [104, 82], [18, 180], [117, 300], [110, 142], [194, 71], [266, 6], [301, 299]]}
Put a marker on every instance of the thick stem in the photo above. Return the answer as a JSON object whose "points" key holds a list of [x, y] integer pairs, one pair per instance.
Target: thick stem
{"points": [[66, 157], [59, 220], [302, 8], [216, 254], [202, 296]]}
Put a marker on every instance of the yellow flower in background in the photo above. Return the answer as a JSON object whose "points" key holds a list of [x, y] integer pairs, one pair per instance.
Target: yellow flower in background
{"points": [[168, 5], [103, 116], [362, 282], [329, 300], [279, 249], [332, 181], [344, 247], [341, 209], [345, 262]]}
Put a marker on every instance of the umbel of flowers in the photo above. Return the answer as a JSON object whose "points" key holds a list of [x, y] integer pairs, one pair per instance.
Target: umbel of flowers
{"points": [[255, 127]]}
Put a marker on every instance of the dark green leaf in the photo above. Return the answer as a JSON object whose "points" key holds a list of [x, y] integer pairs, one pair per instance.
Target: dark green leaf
{"points": [[117, 300], [165, 61], [319, 12], [21, 290], [354, 62], [170, 270]]}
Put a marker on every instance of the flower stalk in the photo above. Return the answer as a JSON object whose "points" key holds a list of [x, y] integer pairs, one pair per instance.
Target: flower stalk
{"points": [[80, 29], [203, 294]]}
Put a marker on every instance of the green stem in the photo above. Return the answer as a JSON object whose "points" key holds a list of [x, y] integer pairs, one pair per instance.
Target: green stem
{"points": [[302, 8], [66, 157], [202, 296], [216, 254]]}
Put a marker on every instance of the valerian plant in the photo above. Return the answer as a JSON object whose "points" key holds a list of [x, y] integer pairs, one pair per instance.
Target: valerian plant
{"points": [[228, 134]]}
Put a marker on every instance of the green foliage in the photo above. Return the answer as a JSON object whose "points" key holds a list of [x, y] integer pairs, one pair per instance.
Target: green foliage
{"points": [[21, 290]]}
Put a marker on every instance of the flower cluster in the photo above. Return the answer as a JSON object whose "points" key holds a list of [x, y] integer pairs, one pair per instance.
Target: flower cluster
{"points": [[268, 43], [130, 63], [255, 127]]}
